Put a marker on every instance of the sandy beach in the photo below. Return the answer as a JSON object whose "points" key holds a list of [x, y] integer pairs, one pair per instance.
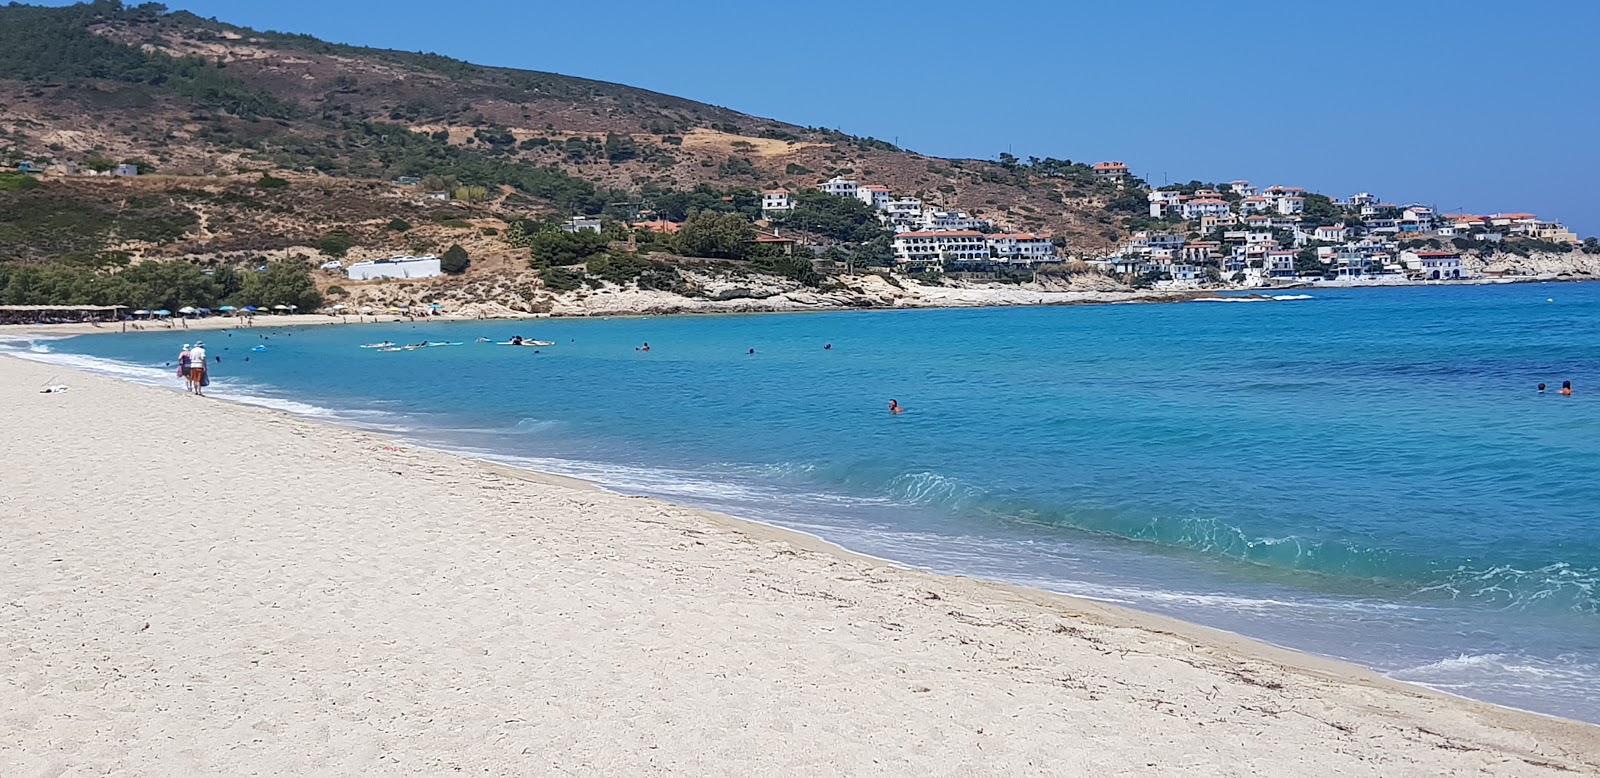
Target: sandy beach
{"points": [[189, 586]]}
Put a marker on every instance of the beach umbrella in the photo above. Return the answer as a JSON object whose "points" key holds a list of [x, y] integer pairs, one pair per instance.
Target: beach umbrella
{"points": [[366, 309], [436, 305], [294, 307], [163, 312], [141, 312], [339, 307], [250, 308], [188, 309], [280, 307], [227, 308]]}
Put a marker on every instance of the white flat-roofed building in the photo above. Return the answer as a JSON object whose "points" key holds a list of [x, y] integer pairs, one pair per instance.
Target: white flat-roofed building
{"points": [[776, 200], [580, 224], [1280, 263], [935, 221], [875, 196], [1022, 247], [933, 248], [1203, 206], [840, 187], [1161, 201], [904, 212], [425, 266]]}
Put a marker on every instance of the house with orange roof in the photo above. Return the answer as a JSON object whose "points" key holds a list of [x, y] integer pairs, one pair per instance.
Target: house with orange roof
{"points": [[1111, 171], [1254, 204], [935, 248]]}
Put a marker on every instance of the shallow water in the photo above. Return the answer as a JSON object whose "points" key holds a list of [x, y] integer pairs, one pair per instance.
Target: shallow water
{"points": [[1366, 474]]}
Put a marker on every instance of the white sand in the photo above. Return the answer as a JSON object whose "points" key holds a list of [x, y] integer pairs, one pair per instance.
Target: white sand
{"points": [[190, 586]]}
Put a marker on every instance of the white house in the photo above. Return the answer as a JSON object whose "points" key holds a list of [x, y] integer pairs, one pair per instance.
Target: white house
{"points": [[580, 224], [1280, 263], [904, 212], [125, 170], [1161, 201], [1260, 238], [1203, 206], [1422, 215], [1291, 204], [1434, 265], [1022, 247], [1254, 204], [425, 266], [840, 187], [935, 221], [874, 195], [776, 200], [1241, 188], [1330, 233], [934, 248]]}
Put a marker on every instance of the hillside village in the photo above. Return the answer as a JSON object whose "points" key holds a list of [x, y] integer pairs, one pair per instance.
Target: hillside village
{"points": [[135, 135]]}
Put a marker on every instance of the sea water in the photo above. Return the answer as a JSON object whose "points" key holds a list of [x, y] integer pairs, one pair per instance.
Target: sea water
{"points": [[1367, 474]]}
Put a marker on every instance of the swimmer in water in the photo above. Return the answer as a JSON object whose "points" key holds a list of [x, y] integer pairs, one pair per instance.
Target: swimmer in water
{"points": [[1566, 388], [894, 407], [828, 347], [752, 351], [645, 347], [1541, 388]]}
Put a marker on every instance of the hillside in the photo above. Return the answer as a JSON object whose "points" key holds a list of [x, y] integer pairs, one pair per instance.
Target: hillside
{"points": [[208, 107]]}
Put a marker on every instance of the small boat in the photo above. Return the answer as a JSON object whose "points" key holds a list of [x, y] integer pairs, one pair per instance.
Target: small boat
{"points": [[385, 344]]}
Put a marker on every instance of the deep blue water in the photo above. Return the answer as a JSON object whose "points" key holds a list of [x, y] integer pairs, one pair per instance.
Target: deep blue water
{"points": [[1367, 474]]}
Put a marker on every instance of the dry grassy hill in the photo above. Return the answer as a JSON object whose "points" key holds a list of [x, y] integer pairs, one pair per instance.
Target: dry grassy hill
{"points": [[209, 106]]}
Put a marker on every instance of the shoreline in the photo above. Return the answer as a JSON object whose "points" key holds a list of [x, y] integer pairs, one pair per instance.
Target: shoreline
{"points": [[1017, 298], [1235, 665]]}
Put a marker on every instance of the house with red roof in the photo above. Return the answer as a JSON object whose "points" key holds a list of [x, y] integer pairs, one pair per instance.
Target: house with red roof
{"points": [[935, 248], [1112, 171]]}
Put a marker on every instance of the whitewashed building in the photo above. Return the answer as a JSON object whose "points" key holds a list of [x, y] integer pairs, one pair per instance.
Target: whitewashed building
{"points": [[936, 221], [933, 248], [1434, 265], [1022, 247], [840, 187], [874, 195], [1203, 206], [905, 212], [776, 200], [580, 224], [1161, 201], [425, 266]]}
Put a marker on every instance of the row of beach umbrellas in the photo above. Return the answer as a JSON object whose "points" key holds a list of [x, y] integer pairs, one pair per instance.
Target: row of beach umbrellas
{"points": [[189, 310]]}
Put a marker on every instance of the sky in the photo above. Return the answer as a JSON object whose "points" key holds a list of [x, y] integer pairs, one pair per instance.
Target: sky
{"points": [[1468, 105]]}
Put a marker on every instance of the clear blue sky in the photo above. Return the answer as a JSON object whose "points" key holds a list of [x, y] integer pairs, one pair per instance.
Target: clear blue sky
{"points": [[1482, 106]]}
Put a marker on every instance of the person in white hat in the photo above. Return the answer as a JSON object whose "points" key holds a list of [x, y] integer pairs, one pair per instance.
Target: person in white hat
{"points": [[197, 368]]}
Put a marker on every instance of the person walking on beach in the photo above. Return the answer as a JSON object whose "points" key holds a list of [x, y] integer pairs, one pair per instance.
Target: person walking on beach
{"points": [[197, 368], [183, 368]]}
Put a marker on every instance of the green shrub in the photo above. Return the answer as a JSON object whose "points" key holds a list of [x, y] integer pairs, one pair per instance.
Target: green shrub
{"points": [[560, 279], [399, 225], [455, 260]]}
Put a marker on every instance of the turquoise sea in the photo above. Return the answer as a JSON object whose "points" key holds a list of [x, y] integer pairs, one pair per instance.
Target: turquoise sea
{"points": [[1366, 474]]}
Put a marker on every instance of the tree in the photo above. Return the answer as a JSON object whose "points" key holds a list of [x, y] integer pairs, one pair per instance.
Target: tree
{"points": [[336, 243], [282, 283], [455, 260], [555, 248], [724, 236]]}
